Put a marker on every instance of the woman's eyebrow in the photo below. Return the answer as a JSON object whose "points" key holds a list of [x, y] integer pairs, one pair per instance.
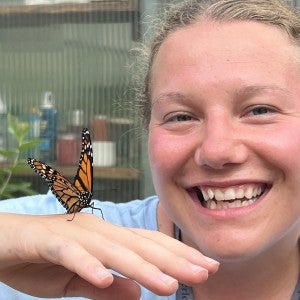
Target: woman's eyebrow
{"points": [[243, 92], [169, 97], [260, 89]]}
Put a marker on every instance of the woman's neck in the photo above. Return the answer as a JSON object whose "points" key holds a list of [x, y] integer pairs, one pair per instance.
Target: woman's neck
{"points": [[268, 278], [271, 275]]}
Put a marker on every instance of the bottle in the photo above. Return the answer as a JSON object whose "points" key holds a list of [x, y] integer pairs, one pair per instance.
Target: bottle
{"points": [[34, 120], [76, 121], [48, 129], [3, 129]]}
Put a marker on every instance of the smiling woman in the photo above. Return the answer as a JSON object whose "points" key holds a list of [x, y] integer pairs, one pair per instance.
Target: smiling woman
{"points": [[221, 104], [225, 144]]}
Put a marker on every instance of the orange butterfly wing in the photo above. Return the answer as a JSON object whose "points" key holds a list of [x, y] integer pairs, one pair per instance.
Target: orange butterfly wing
{"points": [[75, 196], [83, 180]]}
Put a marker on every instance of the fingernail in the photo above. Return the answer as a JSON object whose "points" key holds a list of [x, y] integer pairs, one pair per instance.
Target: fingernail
{"points": [[197, 269], [167, 280], [102, 273], [211, 261], [198, 272]]}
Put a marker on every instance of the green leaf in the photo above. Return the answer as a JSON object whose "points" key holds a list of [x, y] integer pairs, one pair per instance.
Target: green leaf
{"points": [[17, 188], [9, 186], [29, 144], [7, 153], [5, 169], [19, 168], [18, 129]]}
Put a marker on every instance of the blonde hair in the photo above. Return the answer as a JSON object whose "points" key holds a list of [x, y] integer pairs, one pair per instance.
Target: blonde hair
{"points": [[273, 12]]}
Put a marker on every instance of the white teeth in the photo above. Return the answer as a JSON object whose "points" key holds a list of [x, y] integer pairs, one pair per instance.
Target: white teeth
{"points": [[229, 194], [219, 195], [212, 204], [249, 192], [258, 191], [205, 196], [238, 203], [231, 197], [210, 193], [239, 193]]}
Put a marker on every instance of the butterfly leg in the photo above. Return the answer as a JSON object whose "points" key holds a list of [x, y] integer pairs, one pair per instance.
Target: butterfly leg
{"points": [[93, 207], [72, 216]]}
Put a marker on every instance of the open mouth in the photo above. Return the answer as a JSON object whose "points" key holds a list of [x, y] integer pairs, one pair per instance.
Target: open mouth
{"points": [[232, 197]]}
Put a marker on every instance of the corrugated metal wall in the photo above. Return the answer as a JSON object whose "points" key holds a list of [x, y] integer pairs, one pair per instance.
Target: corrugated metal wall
{"points": [[80, 53], [295, 3]]}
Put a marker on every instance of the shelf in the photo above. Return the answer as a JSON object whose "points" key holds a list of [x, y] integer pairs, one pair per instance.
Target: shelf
{"points": [[112, 6], [92, 12], [99, 172]]}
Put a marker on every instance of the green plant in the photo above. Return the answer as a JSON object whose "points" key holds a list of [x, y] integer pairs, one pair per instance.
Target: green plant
{"points": [[10, 186]]}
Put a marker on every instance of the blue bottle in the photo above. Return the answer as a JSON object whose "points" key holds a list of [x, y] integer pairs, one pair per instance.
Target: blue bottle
{"points": [[48, 129]]}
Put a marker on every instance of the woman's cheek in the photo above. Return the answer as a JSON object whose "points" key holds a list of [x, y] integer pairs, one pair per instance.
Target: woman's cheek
{"points": [[167, 151]]}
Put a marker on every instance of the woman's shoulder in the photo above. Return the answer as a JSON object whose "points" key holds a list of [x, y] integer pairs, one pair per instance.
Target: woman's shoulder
{"points": [[135, 213], [36, 204]]}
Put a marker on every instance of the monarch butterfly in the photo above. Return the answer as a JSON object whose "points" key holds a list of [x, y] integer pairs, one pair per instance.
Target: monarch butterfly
{"points": [[73, 197]]}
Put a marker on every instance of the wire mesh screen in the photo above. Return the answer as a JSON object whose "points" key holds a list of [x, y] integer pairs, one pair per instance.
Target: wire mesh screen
{"points": [[76, 56], [295, 3]]}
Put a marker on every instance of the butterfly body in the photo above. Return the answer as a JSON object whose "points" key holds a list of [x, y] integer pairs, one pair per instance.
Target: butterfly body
{"points": [[73, 196]]}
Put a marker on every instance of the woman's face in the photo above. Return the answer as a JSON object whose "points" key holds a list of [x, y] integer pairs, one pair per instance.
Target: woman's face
{"points": [[224, 136]]}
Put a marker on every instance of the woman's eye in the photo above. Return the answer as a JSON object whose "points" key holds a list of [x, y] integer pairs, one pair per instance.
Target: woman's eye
{"points": [[180, 118], [261, 110]]}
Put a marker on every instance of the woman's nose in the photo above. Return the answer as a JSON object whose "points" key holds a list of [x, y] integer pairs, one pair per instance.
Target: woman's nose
{"points": [[221, 145]]}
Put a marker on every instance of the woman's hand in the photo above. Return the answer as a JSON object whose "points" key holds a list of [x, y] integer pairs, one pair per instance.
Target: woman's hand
{"points": [[49, 256]]}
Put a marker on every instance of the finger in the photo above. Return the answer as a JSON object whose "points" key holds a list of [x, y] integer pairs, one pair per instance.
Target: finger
{"points": [[123, 236], [124, 250], [156, 249], [88, 262], [152, 265], [78, 260], [145, 273], [181, 249], [120, 286]]}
